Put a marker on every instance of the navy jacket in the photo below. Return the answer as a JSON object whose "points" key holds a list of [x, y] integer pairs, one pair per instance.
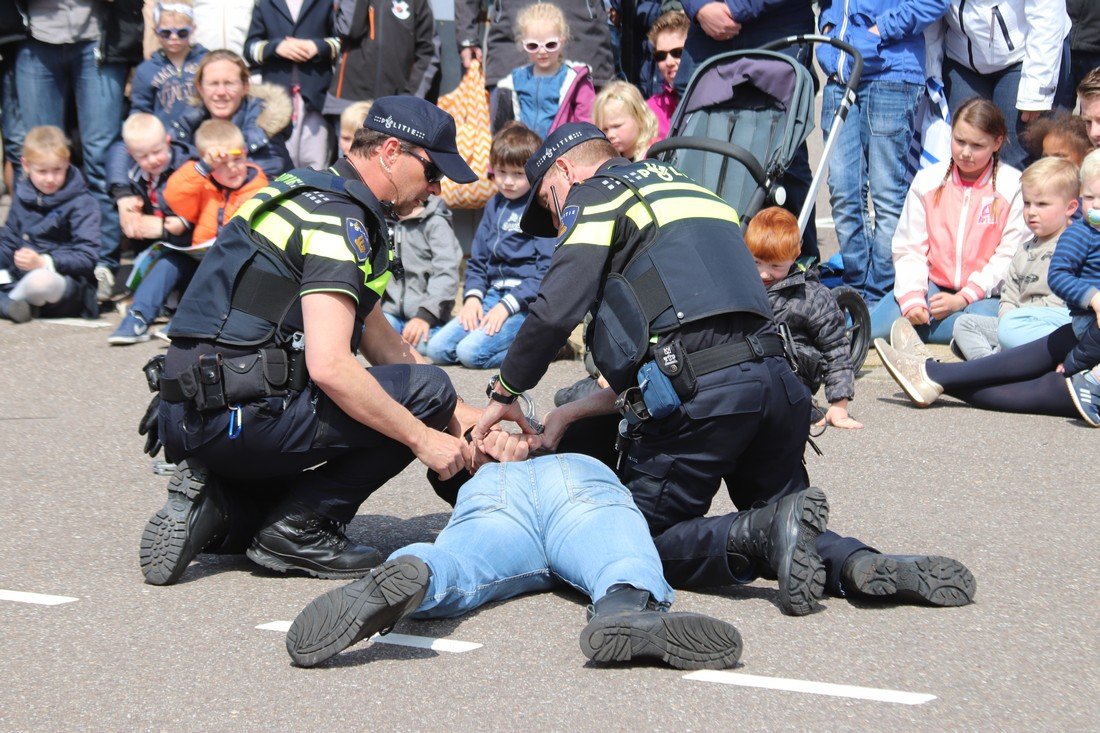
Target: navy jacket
{"points": [[161, 89], [502, 253], [131, 182], [63, 225], [271, 23]]}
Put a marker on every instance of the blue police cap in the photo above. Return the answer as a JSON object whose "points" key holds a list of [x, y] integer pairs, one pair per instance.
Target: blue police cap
{"points": [[421, 123], [537, 219]]}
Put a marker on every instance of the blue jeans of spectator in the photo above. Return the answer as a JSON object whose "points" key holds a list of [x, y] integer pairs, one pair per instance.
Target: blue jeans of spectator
{"points": [[475, 349], [938, 332], [173, 270], [399, 326], [11, 121], [869, 160], [522, 527], [46, 75], [1024, 325], [962, 83]]}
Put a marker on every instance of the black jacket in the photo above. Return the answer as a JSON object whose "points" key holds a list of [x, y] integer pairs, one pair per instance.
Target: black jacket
{"points": [[1085, 35], [123, 32], [13, 23], [271, 23], [816, 322]]}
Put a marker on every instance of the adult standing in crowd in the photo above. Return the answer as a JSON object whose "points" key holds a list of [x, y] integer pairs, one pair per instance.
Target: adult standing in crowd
{"points": [[868, 168], [293, 286], [720, 26], [1084, 39], [80, 52], [587, 19], [1088, 94], [1014, 52], [223, 23], [13, 31]]}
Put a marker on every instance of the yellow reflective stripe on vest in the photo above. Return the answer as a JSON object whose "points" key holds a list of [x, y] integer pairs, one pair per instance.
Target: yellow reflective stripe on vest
{"points": [[596, 233], [300, 212], [274, 228], [676, 208], [248, 208]]}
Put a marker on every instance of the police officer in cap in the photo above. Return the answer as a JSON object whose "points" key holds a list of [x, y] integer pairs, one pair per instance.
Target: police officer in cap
{"points": [[261, 381], [682, 330]]}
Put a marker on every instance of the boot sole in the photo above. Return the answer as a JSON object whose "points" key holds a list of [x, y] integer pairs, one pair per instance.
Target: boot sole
{"points": [[164, 553], [344, 616], [803, 582], [272, 560], [680, 640], [938, 581]]}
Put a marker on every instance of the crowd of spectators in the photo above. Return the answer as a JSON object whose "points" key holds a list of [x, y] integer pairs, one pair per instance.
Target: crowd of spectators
{"points": [[135, 128]]}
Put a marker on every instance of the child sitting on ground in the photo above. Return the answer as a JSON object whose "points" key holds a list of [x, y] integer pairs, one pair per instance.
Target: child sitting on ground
{"points": [[960, 227], [1028, 309], [143, 213], [163, 84], [505, 268], [351, 119], [549, 91], [50, 242], [205, 194], [807, 309], [623, 116], [420, 299]]}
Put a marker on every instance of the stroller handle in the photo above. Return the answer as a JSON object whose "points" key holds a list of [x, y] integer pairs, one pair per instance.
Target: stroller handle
{"points": [[721, 147], [811, 38]]}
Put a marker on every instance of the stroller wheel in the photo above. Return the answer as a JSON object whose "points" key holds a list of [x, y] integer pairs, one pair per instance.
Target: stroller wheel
{"points": [[858, 320]]}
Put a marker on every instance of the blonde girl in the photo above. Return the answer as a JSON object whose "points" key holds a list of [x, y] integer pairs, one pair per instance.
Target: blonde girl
{"points": [[622, 115]]}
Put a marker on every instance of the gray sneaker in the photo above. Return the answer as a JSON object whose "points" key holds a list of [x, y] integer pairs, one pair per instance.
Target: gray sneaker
{"points": [[903, 337], [105, 283], [908, 371]]}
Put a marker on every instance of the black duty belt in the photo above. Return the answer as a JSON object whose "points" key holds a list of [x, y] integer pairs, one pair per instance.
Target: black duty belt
{"points": [[218, 381], [750, 348]]}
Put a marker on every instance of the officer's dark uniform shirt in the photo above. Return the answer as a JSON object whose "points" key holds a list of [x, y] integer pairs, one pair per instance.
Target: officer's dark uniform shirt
{"points": [[603, 219], [325, 240]]}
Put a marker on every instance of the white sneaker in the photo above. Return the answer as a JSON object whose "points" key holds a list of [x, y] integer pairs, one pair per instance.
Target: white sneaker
{"points": [[105, 280]]}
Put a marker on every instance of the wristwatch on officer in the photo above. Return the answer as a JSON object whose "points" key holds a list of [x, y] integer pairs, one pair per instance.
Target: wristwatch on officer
{"points": [[491, 392]]}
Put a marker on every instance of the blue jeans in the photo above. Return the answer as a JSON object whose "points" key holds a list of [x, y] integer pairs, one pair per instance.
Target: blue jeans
{"points": [[521, 527], [172, 271], [46, 75], [399, 326], [869, 159], [11, 121], [938, 332], [963, 83], [475, 349]]}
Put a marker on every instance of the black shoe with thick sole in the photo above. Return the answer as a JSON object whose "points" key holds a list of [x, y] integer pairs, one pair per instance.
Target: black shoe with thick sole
{"points": [[345, 616], [193, 519], [926, 579], [680, 640], [304, 541]]}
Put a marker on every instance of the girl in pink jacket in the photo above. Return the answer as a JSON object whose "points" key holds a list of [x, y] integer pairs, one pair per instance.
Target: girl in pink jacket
{"points": [[960, 226]]}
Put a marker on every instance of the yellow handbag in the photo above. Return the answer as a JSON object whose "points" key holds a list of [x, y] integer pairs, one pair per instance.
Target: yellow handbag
{"points": [[469, 105]]}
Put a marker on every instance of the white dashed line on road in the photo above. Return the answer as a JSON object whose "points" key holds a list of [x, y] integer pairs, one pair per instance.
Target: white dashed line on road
{"points": [[37, 598], [419, 642], [813, 688]]}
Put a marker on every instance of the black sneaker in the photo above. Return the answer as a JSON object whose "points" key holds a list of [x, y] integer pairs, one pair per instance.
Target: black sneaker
{"points": [[680, 640], [302, 540], [193, 519], [930, 579], [347, 615]]}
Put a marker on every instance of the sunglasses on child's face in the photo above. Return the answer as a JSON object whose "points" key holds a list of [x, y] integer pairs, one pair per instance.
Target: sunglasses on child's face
{"points": [[549, 46], [180, 33], [673, 52]]}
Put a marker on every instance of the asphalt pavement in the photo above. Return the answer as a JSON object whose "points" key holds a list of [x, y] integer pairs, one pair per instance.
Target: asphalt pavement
{"points": [[1012, 496]]}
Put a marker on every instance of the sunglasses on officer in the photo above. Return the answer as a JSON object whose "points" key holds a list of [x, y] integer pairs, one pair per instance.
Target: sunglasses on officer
{"points": [[550, 46], [180, 33], [673, 52], [431, 170]]}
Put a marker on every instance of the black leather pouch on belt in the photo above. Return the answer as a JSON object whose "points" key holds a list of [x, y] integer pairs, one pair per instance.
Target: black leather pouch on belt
{"points": [[673, 362], [263, 374]]}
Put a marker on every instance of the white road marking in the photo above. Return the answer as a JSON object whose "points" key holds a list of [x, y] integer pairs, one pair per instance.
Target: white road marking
{"points": [[419, 642], [80, 322], [813, 688], [40, 599]]}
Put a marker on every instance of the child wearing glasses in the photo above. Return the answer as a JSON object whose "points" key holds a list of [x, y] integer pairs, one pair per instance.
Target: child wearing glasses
{"points": [[548, 91], [667, 36], [163, 84]]}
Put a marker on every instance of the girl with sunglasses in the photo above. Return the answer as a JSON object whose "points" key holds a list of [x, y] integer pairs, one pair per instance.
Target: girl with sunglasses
{"points": [[163, 84], [548, 91], [667, 36]]}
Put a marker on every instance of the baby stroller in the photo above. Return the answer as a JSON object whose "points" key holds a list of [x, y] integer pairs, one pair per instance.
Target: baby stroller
{"points": [[743, 116]]}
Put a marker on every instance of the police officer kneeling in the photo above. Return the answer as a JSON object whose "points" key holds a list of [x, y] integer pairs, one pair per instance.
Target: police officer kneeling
{"points": [[261, 381], [683, 332]]}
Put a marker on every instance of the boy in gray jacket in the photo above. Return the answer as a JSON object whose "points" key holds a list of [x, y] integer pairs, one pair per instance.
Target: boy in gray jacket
{"points": [[421, 294]]}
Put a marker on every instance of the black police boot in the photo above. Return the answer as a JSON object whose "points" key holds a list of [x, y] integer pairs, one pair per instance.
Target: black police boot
{"points": [[345, 616], [781, 537], [929, 579], [625, 625], [301, 539], [193, 519], [14, 310]]}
